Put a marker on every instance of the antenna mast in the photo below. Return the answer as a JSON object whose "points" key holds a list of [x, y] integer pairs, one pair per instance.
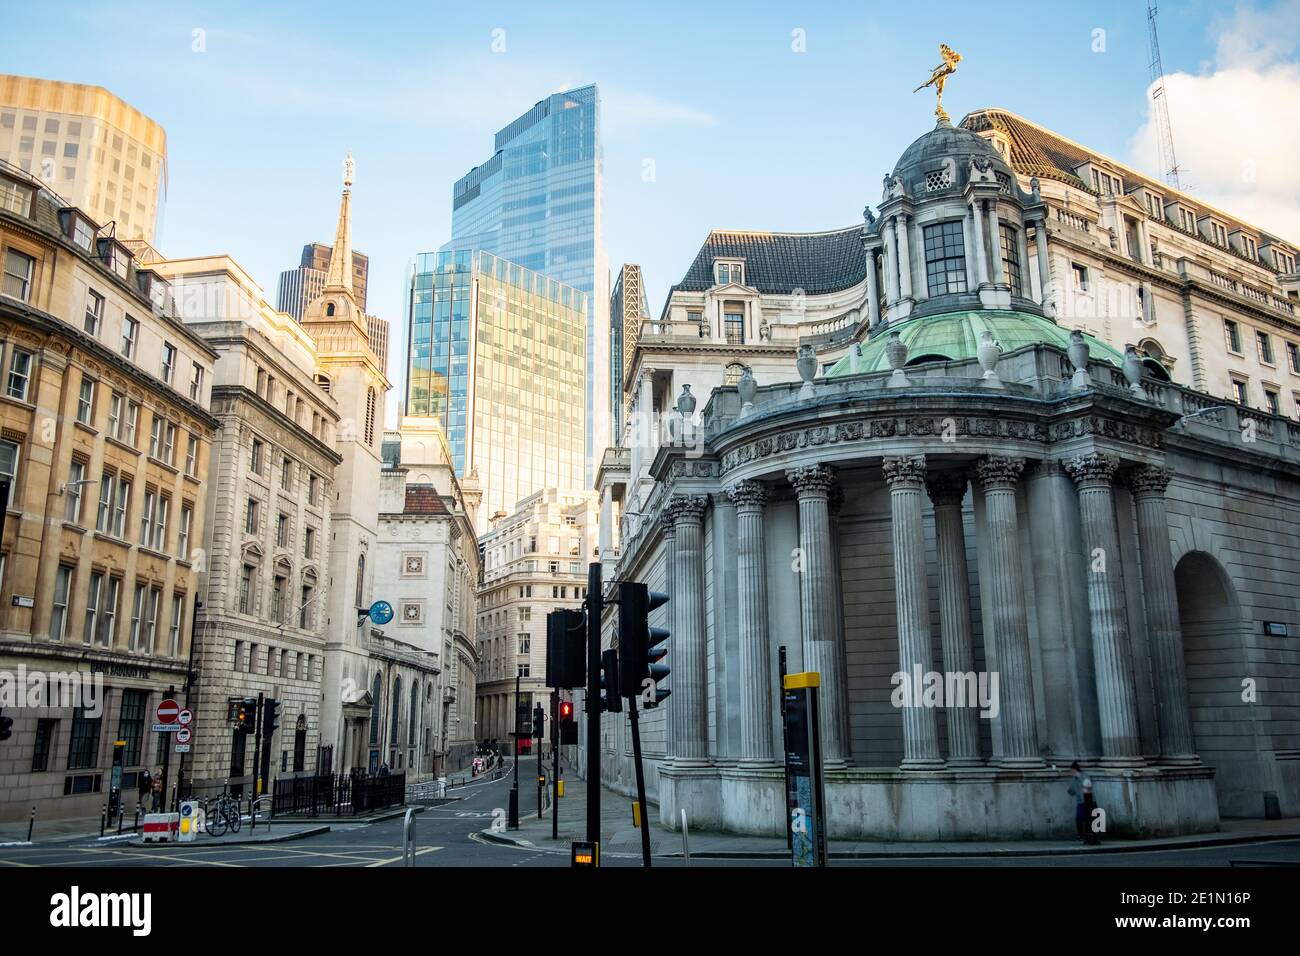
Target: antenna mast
{"points": [[1168, 163]]}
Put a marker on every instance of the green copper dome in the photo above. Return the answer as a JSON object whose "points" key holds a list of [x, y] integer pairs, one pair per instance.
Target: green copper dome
{"points": [[955, 336]]}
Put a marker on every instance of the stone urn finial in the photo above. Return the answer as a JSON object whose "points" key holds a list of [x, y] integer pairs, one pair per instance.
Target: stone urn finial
{"points": [[1133, 372], [747, 388], [1078, 352], [988, 353], [806, 363], [896, 352]]}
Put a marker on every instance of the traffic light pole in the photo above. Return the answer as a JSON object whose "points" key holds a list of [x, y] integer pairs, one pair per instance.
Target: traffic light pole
{"points": [[189, 681], [640, 781], [257, 748], [167, 753], [513, 813], [540, 778], [594, 604], [555, 770]]}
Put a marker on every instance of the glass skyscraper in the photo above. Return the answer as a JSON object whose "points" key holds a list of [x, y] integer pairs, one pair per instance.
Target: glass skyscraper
{"points": [[537, 203], [497, 353]]}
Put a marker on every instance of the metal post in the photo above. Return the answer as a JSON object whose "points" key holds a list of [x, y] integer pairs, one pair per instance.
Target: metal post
{"points": [[103, 818], [512, 820], [167, 754], [30, 825], [408, 838], [257, 742], [640, 782], [555, 759], [785, 740], [595, 603], [686, 839], [189, 679], [540, 777]]}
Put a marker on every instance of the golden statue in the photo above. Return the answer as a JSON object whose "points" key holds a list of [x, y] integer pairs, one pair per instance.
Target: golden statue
{"points": [[940, 76]]}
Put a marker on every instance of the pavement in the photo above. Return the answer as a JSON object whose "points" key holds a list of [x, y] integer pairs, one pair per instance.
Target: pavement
{"points": [[620, 837]]}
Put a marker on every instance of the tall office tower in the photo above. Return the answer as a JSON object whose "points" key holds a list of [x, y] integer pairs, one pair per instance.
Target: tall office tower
{"points": [[628, 308], [95, 151], [497, 355], [537, 202], [301, 286]]}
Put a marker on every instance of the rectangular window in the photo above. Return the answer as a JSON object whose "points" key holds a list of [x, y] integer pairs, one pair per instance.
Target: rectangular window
{"points": [[94, 594], [9, 469], [86, 401], [122, 417], [278, 609], [83, 752], [72, 492], [286, 474], [1265, 347], [304, 608], [282, 531], [311, 489], [108, 615], [1272, 401], [733, 325], [196, 382], [174, 630], [18, 275], [20, 374], [137, 617], [1293, 357], [183, 533], [246, 590], [1080, 274], [1010, 258], [1233, 335], [1239, 392], [120, 507], [130, 725], [168, 362], [256, 460], [46, 731], [103, 523], [192, 457], [523, 670], [94, 311], [250, 517], [309, 543], [59, 616], [151, 620], [525, 644], [945, 258], [130, 336], [146, 519]]}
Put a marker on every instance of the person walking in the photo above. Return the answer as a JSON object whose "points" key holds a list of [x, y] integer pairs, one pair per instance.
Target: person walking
{"points": [[157, 793], [1081, 790], [144, 785]]}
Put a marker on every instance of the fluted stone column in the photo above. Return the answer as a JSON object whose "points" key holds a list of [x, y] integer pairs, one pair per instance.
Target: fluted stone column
{"points": [[1121, 743], [1177, 744], [904, 256], [819, 591], [906, 480], [981, 258], [690, 662], [995, 244], [667, 522], [1044, 270], [750, 498], [947, 489], [891, 263], [998, 477], [873, 292]]}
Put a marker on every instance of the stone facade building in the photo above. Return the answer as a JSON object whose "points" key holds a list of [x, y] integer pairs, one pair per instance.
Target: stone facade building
{"points": [[918, 463], [261, 629], [427, 568], [105, 437], [534, 562]]}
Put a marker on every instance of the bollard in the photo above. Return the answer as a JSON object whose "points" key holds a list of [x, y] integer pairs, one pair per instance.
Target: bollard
{"points": [[686, 842], [103, 817], [136, 827], [30, 824], [408, 838], [120, 813]]}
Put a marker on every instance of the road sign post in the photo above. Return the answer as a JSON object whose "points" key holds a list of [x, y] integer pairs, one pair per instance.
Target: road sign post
{"points": [[167, 713], [803, 760]]}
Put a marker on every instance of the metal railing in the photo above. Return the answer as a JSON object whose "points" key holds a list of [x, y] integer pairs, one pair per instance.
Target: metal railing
{"points": [[337, 794]]}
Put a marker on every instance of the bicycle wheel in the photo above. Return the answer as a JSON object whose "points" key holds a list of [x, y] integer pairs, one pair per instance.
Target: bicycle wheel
{"points": [[216, 821], [233, 811]]}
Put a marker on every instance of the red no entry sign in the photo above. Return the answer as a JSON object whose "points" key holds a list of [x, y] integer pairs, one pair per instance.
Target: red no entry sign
{"points": [[168, 711]]}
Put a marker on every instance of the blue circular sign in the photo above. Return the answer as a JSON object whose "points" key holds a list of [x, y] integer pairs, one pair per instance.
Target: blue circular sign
{"points": [[381, 612]]}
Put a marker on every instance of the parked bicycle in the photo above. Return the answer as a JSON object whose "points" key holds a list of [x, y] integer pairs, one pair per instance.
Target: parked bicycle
{"points": [[221, 814]]}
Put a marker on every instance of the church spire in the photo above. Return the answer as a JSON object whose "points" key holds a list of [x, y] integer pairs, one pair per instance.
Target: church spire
{"points": [[340, 272]]}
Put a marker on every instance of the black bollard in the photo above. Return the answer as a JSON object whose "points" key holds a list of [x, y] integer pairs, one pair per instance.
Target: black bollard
{"points": [[30, 824], [103, 817]]}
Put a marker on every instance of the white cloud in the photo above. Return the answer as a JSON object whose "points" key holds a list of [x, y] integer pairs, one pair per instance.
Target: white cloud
{"points": [[627, 109], [1236, 125]]}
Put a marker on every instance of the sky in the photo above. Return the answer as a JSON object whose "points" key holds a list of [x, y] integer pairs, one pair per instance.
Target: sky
{"points": [[781, 116]]}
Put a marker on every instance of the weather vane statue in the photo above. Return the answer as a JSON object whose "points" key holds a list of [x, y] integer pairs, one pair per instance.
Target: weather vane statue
{"points": [[940, 76], [349, 168]]}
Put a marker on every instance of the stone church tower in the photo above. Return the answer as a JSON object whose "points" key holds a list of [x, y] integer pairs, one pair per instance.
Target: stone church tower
{"points": [[350, 371]]}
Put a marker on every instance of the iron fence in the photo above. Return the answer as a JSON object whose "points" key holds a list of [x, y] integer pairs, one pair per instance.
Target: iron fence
{"points": [[337, 794]]}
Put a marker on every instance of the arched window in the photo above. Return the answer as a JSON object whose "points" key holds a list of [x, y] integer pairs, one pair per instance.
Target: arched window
{"points": [[370, 416], [410, 718], [329, 309], [376, 691], [300, 744], [361, 580], [733, 373], [397, 713]]}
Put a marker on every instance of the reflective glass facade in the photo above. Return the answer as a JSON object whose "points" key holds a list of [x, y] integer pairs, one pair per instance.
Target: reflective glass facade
{"points": [[497, 353], [537, 203]]}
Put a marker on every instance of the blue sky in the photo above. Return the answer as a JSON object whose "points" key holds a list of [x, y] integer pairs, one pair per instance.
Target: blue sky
{"points": [[743, 131]]}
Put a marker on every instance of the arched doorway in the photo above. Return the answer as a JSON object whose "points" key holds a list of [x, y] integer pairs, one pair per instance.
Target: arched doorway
{"points": [[1222, 723]]}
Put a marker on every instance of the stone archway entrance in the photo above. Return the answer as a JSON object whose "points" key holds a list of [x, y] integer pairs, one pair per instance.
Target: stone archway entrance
{"points": [[1222, 723]]}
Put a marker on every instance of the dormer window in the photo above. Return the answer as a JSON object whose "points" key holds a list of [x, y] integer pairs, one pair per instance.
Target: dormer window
{"points": [[1155, 205], [1246, 245], [1216, 232], [730, 272], [329, 308], [79, 229], [1106, 184], [1185, 218], [15, 197], [1285, 262]]}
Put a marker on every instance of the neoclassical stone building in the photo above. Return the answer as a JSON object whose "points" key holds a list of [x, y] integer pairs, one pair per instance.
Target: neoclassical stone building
{"points": [[967, 486]]}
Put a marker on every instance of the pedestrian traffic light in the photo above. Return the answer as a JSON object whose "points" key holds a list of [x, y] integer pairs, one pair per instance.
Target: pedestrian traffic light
{"points": [[6, 725], [609, 681], [270, 717], [566, 649], [539, 722], [566, 710], [639, 650], [568, 725]]}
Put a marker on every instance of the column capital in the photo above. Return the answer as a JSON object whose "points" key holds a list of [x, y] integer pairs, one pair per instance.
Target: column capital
{"points": [[811, 480], [1091, 470], [904, 472], [748, 494], [947, 487], [1149, 480], [998, 471], [682, 508]]}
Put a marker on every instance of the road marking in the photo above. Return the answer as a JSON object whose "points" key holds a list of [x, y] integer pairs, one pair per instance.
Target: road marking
{"points": [[427, 849]]}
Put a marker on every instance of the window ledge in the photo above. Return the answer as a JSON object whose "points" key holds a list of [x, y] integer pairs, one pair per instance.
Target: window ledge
{"points": [[111, 539], [82, 426], [162, 464], [73, 527], [19, 402], [193, 479], [117, 442], [162, 555]]}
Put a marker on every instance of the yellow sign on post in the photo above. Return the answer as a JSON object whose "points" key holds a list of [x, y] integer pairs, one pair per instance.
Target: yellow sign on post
{"points": [[559, 785], [636, 814], [806, 679]]}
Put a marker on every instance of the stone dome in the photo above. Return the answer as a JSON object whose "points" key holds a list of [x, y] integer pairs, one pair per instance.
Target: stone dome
{"points": [[930, 152], [955, 336]]}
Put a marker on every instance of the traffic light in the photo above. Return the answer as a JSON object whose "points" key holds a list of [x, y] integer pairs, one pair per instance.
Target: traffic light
{"points": [[270, 717], [243, 713], [639, 649], [6, 723], [568, 726], [609, 681], [539, 722], [566, 649]]}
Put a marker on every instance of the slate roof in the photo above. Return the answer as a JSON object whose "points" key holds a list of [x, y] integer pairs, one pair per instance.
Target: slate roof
{"points": [[1034, 150], [424, 500], [780, 262]]}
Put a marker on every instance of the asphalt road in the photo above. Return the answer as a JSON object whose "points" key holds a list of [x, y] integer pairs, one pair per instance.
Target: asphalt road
{"points": [[448, 835]]}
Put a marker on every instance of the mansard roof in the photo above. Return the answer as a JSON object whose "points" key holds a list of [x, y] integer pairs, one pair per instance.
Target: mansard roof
{"points": [[780, 262]]}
